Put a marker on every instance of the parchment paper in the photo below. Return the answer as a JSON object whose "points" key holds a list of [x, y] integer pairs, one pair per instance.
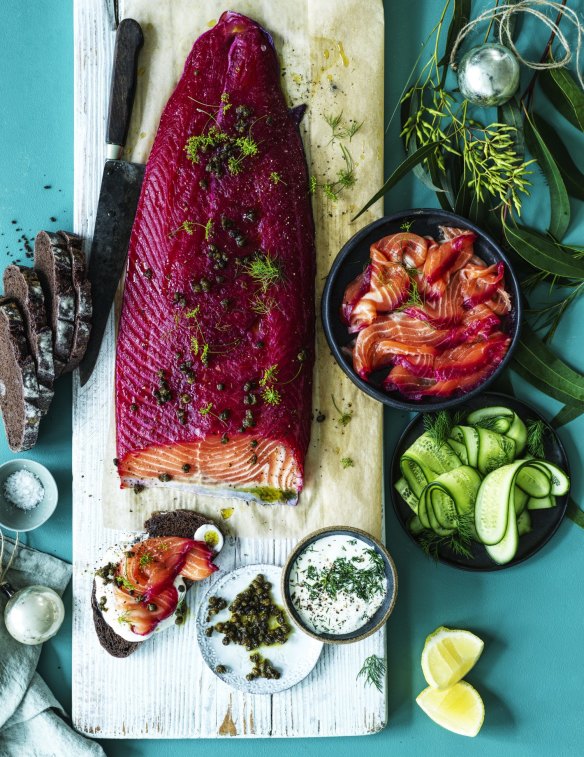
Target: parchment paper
{"points": [[332, 61]]}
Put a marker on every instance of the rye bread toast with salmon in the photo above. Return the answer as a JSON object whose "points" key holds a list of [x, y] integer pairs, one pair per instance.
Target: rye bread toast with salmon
{"points": [[172, 526]]}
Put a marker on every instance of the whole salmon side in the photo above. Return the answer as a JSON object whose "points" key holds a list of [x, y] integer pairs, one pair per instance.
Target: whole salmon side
{"points": [[216, 340]]}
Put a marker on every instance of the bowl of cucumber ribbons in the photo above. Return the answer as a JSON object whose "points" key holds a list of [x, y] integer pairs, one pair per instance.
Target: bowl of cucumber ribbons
{"points": [[482, 487]]}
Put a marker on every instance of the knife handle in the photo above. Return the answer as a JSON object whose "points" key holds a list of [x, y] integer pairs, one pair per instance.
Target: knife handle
{"points": [[129, 40]]}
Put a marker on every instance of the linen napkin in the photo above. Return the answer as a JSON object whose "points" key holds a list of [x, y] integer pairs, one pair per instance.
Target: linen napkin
{"points": [[32, 722]]}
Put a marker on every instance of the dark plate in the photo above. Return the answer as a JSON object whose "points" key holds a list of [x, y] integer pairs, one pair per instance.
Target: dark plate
{"points": [[353, 258], [544, 522]]}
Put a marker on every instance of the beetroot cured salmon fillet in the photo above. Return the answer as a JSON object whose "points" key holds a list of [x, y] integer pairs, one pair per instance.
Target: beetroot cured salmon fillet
{"points": [[215, 347]]}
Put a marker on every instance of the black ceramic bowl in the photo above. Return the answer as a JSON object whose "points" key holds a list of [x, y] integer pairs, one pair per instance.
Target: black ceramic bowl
{"points": [[544, 522], [353, 258], [384, 611]]}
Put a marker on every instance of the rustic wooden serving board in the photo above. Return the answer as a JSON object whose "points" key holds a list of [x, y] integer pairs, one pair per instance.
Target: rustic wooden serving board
{"points": [[171, 692]]}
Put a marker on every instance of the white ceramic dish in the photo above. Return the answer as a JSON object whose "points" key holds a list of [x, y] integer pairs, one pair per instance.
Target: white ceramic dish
{"points": [[14, 518], [295, 659]]}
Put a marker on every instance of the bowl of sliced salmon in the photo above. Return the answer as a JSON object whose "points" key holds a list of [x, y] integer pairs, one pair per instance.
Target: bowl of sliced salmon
{"points": [[422, 308]]}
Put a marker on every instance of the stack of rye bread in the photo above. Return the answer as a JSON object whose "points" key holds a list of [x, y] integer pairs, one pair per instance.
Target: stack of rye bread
{"points": [[45, 322]]}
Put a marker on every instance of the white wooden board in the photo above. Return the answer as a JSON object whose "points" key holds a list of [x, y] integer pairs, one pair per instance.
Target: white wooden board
{"points": [[170, 692]]}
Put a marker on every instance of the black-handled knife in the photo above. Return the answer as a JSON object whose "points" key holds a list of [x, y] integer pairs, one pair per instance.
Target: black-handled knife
{"points": [[120, 190]]}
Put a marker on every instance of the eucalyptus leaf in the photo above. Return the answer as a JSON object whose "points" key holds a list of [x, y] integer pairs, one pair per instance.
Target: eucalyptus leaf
{"points": [[575, 513], [565, 94], [538, 364], [567, 414], [445, 196], [402, 170], [542, 253], [510, 114], [408, 106], [571, 174], [460, 17], [559, 200]]}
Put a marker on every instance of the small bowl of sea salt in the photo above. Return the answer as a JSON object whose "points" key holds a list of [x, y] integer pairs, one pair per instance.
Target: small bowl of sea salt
{"points": [[28, 495]]}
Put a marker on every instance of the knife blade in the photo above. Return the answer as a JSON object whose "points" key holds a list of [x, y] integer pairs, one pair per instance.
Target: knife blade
{"points": [[120, 190]]}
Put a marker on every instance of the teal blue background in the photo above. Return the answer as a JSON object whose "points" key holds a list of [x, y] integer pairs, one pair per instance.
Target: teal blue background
{"points": [[531, 674]]}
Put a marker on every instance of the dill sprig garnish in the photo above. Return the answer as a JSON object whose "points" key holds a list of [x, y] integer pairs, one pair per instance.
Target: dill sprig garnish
{"points": [[122, 581], [264, 270], [146, 559], [199, 346], [271, 395], [263, 306], [206, 409], [536, 433], [373, 671], [342, 129], [202, 143], [275, 178], [345, 416], [346, 575], [270, 375], [438, 425], [346, 178], [459, 541], [189, 228]]}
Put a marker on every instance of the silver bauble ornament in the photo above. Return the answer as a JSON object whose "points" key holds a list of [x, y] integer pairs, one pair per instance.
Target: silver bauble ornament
{"points": [[488, 75], [34, 614]]}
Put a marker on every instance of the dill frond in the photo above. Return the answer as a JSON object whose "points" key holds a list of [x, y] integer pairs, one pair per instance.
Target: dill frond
{"points": [[536, 433]]}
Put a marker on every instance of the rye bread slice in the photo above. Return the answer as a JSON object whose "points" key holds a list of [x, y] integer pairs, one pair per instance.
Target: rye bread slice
{"points": [[182, 523], [83, 303], [22, 284], [52, 262], [19, 388]]}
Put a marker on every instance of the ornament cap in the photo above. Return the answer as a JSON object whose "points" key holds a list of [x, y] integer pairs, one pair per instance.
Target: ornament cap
{"points": [[7, 589]]}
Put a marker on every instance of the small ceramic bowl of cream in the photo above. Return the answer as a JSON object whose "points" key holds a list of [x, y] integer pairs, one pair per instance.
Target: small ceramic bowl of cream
{"points": [[339, 584], [28, 495]]}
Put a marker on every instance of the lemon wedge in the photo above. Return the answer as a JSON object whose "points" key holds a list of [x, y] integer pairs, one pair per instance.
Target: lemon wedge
{"points": [[459, 709], [448, 655]]}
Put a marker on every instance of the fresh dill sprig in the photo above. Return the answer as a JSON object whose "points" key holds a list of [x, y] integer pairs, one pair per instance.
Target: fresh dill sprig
{"points": [[264, 269], [189, 228], [342, 129], [459, 541], [202, 143], [199, 345], [128, 585], [271, 396], [146, 559], [263, 306], [206, 409], [345, 416], [373, 671], [536, 433], [276, 178], [270, 375], [347, 462], [438, 425], [406, 226]]}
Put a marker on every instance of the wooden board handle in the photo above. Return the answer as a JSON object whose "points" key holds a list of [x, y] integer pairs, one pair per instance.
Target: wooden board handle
{"points": [[129, 40]]}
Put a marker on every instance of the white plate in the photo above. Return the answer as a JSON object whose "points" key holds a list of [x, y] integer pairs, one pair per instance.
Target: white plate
{"points": [[294, 660]]}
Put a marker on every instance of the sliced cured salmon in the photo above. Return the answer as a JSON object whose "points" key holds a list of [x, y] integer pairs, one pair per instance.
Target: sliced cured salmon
{"points": [[216, 340], [443, 331], [145, 593]]}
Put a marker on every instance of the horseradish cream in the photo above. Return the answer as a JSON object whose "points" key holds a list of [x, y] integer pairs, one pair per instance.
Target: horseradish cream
{"points": [[105, 598], [337, 584]]}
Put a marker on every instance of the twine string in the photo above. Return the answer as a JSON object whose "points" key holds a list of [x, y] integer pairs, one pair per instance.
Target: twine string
{"points": [[504, 13], [4, 570]]}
